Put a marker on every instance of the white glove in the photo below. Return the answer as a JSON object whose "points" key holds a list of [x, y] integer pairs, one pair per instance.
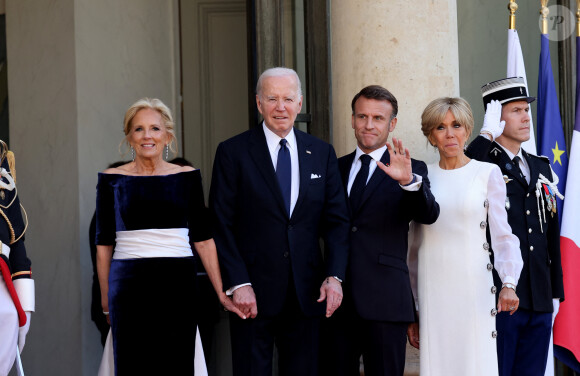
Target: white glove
{"points": [[491, 121], [556, 303], [23, 330]]}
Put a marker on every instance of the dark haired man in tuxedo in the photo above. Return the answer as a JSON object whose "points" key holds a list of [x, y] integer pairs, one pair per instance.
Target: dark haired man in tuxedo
{"points": [[386, 189]]}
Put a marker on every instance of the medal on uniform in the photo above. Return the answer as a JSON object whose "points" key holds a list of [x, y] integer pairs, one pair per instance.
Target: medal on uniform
{"points": [[550, 189], [553, 198], [550, 199], [547, 197], [506, 179]]}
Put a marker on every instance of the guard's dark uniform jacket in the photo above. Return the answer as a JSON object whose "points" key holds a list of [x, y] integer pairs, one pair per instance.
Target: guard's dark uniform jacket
{"points": [[12, 228], [541, 277], [14, 264]]}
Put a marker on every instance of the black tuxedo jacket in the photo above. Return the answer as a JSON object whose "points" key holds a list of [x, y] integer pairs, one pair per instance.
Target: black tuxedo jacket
{"points": [[256, 240], [541, 277], [378, 278]]}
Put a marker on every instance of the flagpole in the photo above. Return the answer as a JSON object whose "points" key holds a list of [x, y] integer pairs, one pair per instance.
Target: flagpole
{"points": [[544, 11], [577, 19], [512, 7], [516, 68]]}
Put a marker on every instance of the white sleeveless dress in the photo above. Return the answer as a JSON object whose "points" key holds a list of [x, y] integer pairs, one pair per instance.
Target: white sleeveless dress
{"points": [[454, 283]]}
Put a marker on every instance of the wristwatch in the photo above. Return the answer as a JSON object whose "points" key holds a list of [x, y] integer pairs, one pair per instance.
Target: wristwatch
{"points": [[414, 180]]}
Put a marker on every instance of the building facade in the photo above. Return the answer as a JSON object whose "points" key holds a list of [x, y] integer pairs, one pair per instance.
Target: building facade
{"points": [[75, 66]]}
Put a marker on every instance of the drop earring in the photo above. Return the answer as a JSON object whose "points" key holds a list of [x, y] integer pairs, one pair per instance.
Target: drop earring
{"points": [[167, 152], [132, 154]]}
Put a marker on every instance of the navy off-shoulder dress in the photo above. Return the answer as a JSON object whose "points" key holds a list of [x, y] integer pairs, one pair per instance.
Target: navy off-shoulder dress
{"points": [[152, 304]]}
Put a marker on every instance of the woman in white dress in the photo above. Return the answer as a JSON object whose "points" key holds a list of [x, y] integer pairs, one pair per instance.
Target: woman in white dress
{"points": [[450, 259]]}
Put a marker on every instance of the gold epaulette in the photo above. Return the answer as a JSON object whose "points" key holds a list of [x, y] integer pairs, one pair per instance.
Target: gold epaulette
{"points": [[11, 164]]}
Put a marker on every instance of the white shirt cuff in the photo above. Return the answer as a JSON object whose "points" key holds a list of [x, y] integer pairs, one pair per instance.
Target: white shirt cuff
{"points": [[5, 250], [415, 186], [231, 290], [510, 279], [25, 290]]}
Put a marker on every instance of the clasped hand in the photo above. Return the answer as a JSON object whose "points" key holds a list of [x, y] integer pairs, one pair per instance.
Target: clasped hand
{"points": [[243, 303]]}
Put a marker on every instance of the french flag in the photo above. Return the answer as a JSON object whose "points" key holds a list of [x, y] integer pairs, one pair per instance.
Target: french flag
{"points": [[567, 325]]}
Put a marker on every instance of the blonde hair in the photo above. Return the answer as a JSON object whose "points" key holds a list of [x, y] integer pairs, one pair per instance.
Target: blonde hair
{"points": [[153, 104], [436, 111]]}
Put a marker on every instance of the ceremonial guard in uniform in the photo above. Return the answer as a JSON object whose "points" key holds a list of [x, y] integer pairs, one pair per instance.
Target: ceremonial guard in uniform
{"points": [[523, 338], [16, 284]]}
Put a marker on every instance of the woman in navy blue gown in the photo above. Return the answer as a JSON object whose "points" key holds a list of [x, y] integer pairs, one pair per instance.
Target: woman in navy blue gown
{"points": [[150, 210]]}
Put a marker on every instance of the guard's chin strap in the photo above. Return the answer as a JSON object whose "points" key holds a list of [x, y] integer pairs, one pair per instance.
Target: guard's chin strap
{"points": [[12, 291]]}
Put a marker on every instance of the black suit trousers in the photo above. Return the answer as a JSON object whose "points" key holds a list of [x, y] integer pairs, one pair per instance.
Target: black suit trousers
{"points": [[295, 335], [347, 336]]}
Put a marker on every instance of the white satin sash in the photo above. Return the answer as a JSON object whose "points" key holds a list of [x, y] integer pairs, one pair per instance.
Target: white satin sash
{"points": [[169, 242]]}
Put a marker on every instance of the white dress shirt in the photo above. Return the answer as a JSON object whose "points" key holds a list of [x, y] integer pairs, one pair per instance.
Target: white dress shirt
{"points": [[273, 141], [522, 163], [376, 156]]}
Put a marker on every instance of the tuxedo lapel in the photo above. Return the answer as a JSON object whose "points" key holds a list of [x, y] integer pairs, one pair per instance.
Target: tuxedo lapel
{"points": [[304, 166], [260, 154], [345, 165]]}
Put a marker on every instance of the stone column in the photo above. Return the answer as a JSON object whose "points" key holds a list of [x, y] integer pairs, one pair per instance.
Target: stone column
{"points": [[408, 47]]}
